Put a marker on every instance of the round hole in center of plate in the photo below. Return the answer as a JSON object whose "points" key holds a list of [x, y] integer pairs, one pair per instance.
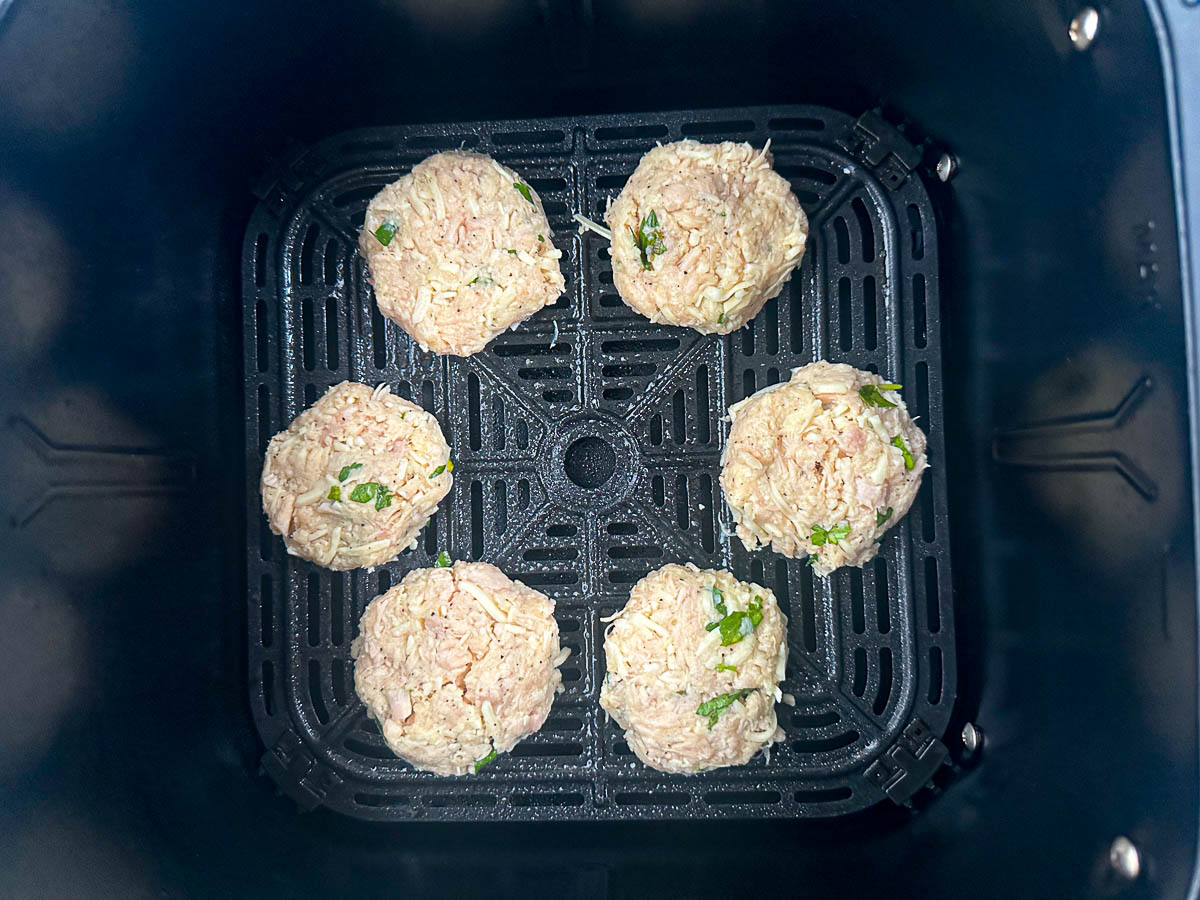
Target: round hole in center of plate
{"points": [[590, 462]]}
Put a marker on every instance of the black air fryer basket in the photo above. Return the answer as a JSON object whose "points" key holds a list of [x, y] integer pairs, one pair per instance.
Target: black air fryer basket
{"points": [[1003, 703]]}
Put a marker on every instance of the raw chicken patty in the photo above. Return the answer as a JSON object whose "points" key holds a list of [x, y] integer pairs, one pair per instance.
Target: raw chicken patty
{"points": [[459, 250], [822, 465], [457, 665], [694, 664], [353, 479], [704, 234]]}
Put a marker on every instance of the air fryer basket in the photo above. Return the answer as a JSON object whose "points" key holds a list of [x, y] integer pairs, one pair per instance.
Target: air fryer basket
{"points": [[586, 446], [138, 757]]}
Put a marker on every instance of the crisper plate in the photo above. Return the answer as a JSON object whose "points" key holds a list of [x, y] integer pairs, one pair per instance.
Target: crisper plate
{"points": [[871, 650]]}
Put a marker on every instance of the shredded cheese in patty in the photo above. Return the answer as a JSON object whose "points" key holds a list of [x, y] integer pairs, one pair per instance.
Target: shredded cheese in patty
{"points": [[473, 681], [686, 639], [355, 438], [703, 235], [471, 255], [811, 466]]}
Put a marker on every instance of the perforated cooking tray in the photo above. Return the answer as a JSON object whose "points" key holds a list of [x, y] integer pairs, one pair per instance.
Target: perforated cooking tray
{"points": [[586, 447]]}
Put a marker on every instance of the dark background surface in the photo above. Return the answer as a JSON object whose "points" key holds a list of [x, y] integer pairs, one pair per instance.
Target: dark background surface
{"points": [[130, 135]]}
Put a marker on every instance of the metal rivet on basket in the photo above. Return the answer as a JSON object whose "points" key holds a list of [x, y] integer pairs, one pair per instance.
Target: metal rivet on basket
{"points": [[1125, 858], [947, 165], [1084, 27], [972, 738]]}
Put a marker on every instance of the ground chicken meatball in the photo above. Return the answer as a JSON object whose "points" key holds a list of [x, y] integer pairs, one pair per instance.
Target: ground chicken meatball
{"points": [[352, 480], [704, 234], [694, 664], [459, 250], [457, 664], [822, 465]]}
